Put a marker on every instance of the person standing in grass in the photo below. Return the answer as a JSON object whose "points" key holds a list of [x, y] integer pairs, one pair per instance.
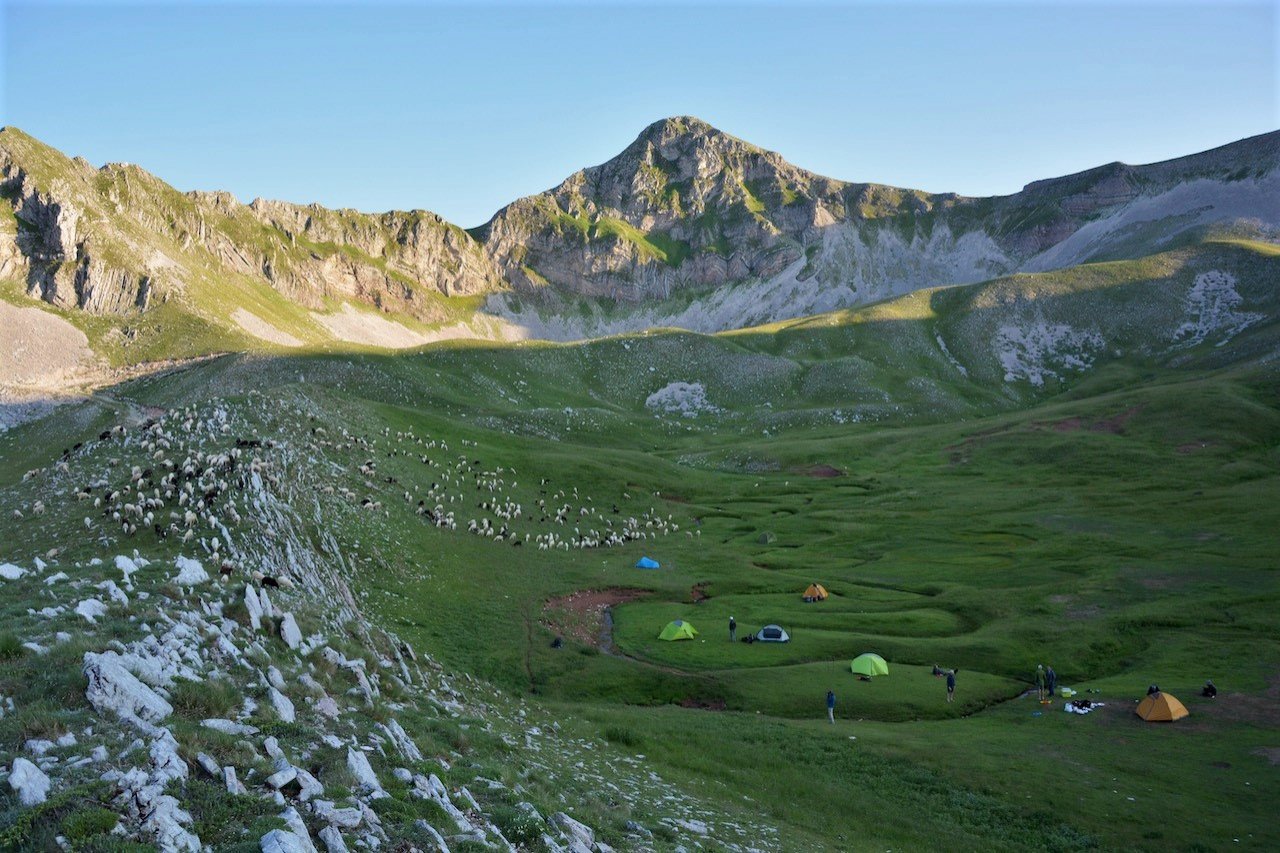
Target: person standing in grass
{"points": [[1050, 681], [1040, 681], [951, 685], [733, 630], [831, 707]]}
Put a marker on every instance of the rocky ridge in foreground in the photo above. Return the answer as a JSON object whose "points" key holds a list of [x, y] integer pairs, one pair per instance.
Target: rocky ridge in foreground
{"points": [[229, 690]]}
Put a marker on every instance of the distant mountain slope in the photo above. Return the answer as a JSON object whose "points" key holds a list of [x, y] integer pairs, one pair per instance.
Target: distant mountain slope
{"points": [[685, 210], [116, 239], [687, 227]]}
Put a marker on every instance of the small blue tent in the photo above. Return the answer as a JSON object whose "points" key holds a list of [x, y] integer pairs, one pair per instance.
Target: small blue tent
{"points": [[646, 563]]}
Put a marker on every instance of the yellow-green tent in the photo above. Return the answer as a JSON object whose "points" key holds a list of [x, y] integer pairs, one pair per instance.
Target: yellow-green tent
{"points": [[869, 665], [678, 630]]}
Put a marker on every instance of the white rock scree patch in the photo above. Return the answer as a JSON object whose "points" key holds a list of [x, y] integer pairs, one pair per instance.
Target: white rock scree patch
{"points": [[681, 398], [1044, 350], [1211, 305]]}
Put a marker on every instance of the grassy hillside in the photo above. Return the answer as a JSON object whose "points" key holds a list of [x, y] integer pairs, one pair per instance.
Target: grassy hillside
{"points": [[1077, 468]]}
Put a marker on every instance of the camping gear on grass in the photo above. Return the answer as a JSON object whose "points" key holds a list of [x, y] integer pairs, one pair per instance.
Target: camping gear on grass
{"points": [[1161, 708], [772, 634], [869, 664], [815, 592], [647, 563], [678, 629], [1081, 706]]}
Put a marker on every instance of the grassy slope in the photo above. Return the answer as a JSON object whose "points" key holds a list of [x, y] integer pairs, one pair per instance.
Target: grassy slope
{"points": [[1117, 524]]}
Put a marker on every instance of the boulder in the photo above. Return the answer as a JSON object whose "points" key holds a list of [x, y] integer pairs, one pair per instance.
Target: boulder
{"points": [[366, 779], [113, 688], [289, 631], [283, 706], [190, 572], [332, 839], [29, 781], [282, 841]]}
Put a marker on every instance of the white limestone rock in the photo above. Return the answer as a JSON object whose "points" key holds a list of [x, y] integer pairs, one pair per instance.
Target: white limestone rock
{"points": [[113, 688], [190, 572], [29, 782], [289, 631], [366, 779]]}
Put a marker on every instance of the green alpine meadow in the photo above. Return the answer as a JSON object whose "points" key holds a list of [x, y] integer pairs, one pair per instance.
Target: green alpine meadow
{"points": [[324, 529]]}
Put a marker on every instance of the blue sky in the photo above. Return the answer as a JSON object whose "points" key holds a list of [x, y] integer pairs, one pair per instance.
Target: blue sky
{"points": [[460, 109]]}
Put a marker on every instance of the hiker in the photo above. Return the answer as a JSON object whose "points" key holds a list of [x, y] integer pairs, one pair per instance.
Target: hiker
{"points": [[1153, 690], [1040, 681], [1209, 691], [951, 685], [831, 706], [937, 671], [733, 630], [1050, 682]]}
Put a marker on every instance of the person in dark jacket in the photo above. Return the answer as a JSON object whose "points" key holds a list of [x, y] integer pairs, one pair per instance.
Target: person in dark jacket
{"points": [[831, 706], [951, 685], [1050, 681], [733, 630]]}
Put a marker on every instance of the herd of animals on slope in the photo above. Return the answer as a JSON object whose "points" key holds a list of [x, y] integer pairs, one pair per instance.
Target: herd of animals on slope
{"points": [[177, 485]]}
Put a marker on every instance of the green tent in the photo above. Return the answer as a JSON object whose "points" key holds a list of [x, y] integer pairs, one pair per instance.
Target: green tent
{"points": [[869, 664], [678, 630]]}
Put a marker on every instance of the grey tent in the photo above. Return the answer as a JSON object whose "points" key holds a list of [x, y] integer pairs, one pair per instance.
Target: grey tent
{"points": [[772, 634]]}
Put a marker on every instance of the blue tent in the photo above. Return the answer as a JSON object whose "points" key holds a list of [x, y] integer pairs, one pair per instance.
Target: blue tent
{"points": [[646, 563]]}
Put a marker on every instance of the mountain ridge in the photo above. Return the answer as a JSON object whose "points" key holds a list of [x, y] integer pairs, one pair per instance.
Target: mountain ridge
{"points": [[685, 215]]}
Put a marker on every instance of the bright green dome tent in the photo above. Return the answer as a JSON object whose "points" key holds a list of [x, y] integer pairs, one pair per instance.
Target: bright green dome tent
{"points": [[869, 664], [678, 630]]}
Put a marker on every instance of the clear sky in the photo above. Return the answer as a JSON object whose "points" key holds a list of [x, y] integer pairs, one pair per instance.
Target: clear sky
{"points": [[460, 109]]}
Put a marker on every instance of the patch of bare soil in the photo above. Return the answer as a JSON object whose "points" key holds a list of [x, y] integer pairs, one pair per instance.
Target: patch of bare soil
{"points": [[699, 592], [1271, 753], [581, 615], [1194, 446], [822, 471], [1259, 709], [703, 704], [260, 328]]}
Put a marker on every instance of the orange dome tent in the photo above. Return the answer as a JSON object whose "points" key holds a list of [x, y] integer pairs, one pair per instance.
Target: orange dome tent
{"points": [[815, 592], [1161, 708]]}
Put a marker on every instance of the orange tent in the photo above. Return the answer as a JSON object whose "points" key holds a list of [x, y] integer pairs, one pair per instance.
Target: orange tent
{"points": [[815, 592], [1161, 708]]}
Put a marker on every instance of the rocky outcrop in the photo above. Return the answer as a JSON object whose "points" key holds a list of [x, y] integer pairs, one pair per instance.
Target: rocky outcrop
{"points": [[116, 239]]}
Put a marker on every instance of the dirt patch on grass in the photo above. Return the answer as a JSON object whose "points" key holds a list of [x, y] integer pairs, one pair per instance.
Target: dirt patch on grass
{"points": [[699, 592], [1115, 425], [822, 471], [581, 615], [1271, 753], [1194, 446], [1259, 709], [703, 704]]}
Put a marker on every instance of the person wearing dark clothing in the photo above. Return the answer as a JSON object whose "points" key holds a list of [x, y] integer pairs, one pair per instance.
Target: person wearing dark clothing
{"points": [[1050, 681], [951, 684], [733, 630], [831, 706], [1040, 681], [1153, 690], [1209, 691]]}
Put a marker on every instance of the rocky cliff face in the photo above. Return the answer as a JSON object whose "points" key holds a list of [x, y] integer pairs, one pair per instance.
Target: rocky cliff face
{"points": [[111, 240], [685, 213]]}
